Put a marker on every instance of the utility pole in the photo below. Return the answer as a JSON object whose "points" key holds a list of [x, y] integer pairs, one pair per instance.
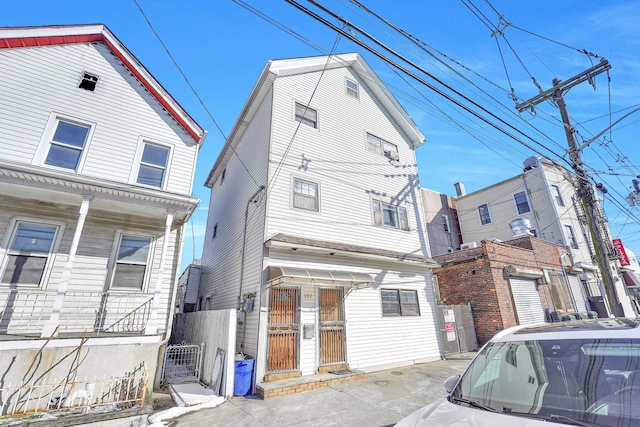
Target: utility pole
{"points": [[585, 189]]}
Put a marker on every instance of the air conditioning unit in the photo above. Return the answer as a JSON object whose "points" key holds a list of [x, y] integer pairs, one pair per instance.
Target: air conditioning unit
{"points": [[469, 245], [392, 155]]}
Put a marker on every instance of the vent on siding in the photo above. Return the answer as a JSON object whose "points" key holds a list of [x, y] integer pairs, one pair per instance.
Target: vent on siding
{"points": [[88, 82]]}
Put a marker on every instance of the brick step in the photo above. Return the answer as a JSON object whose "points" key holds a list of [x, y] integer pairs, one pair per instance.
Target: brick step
{"points": [[284, 387]]}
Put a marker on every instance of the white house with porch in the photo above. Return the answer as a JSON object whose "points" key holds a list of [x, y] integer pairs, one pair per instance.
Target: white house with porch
{"points": [[316, 230], [96, 171]]}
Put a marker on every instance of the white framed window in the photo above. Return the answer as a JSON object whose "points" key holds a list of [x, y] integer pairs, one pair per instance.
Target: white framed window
{"points": [[382, 147], [557, 196], [306, 115], [352, 88], [131, 261], [445, 221], [388, 215], [485, 216], [399, 302], [522, 205], [571, 236], [305, 195], [30, 245], [152, 161], [64, 143]]}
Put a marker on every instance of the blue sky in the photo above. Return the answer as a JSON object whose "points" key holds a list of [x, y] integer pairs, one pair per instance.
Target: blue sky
{"points": [[222, 47]]}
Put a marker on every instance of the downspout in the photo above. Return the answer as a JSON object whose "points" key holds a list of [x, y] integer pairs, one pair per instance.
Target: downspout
{"points": [[252, 199], [152, 323]]}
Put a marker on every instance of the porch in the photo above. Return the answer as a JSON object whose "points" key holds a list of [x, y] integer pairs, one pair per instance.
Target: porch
{"points": [[24, 313]]}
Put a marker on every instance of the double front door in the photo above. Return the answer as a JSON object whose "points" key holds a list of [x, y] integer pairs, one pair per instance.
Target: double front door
{"points": [[284, 328]]}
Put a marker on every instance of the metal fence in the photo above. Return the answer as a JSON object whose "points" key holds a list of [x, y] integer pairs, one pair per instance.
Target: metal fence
{"points": [[25, 311], [121, 392], [181, 364]]}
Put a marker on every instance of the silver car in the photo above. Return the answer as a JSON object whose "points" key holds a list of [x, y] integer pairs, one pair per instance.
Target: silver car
{"points": [[583, 373]]}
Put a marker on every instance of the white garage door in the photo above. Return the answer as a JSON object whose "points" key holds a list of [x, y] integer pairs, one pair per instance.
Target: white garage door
{"points": [[578, 294], [527, 299]]}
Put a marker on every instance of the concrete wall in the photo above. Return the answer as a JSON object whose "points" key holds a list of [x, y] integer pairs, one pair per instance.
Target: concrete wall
{"points": [[216, 329]]}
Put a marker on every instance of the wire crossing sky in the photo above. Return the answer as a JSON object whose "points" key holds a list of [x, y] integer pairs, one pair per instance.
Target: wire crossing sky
{"points": [[494, 54]]}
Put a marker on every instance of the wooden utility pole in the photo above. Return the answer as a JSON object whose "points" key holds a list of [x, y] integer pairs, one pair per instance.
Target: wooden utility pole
{"points": [[585, 191]]}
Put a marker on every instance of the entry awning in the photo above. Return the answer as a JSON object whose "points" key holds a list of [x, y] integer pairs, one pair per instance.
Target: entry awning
{"points": [[303, 276], [631, 279]]}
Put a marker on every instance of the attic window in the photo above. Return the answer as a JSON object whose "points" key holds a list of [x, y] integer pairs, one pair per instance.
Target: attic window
{"points": [[88, 82]]}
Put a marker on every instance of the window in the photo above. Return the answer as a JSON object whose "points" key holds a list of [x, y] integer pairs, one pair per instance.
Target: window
{"points": [[215, 231], [223, 175], [88, 82], [385, 214], [153, 165], [445, 220], [534, 232], [28, 253], [571, 237], [382, 147], [352, 88], [521, 202], [306, 115], [398, 302], [555, 191], [67, 144], [305, 195], [483, 211], [131, 262]]}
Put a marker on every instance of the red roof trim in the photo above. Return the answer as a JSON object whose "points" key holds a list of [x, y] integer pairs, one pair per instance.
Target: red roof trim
{"points": [[19, 42]]}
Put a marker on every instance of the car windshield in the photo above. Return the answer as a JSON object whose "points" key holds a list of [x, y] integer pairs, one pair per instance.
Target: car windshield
{"points": [[593, 381]]}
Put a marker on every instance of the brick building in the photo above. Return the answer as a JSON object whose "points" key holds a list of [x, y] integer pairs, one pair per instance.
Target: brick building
{"points": [[507, 283]]}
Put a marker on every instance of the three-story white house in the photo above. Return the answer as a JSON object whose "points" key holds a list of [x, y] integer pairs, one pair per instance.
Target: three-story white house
{"points": [[315, 228], [96, 170]]}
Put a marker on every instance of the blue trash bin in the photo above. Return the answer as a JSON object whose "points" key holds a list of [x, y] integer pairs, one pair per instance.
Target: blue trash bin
{"points": [[243, 375]]}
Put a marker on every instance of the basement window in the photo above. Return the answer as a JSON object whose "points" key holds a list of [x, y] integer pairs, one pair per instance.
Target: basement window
{"points": [[88, 82]]}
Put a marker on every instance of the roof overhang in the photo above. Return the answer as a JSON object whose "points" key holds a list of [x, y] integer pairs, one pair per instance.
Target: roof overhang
{"points": [[25, 37], [295, 66], [301, 276]]}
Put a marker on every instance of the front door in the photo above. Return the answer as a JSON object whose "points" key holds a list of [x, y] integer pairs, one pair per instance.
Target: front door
{"points": [[284, 327], [332, 326]]}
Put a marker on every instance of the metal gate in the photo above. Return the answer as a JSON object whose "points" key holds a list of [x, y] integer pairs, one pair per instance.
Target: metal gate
{"points": [[181, 364], [332, 326], [284, 328], [457, 330], [576, 290]]}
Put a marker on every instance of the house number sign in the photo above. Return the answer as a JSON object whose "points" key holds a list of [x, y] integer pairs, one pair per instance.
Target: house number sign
{"points": [[308, 296]]}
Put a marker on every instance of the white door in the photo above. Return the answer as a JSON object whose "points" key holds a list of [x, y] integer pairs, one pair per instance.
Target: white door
{"points": [[527, 300], [578, 294]]}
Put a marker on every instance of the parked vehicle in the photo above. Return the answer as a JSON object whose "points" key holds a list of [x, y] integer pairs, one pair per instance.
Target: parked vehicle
{"points": [[582, 372]]}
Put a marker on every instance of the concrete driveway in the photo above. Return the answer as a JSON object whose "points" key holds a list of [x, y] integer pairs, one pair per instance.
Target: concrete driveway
{"points": [[380, 399]]}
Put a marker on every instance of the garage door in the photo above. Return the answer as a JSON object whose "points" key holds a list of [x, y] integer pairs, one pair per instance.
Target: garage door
{"points": [[577, 292], [527, 300]]}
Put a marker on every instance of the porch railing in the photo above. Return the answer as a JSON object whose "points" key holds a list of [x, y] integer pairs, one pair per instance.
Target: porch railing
{"points": [[25, 311]]}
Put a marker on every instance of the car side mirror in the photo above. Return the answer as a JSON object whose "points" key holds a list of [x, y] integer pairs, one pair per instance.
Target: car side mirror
{"points": [[451, 383]]}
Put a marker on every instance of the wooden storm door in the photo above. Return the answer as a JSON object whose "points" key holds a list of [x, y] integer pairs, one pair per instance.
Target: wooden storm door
{"points": [[284, 329], [332, 326]]}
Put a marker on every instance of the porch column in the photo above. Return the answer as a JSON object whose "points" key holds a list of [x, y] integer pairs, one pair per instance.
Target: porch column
{"points": [[152, 323], [50, 325]]}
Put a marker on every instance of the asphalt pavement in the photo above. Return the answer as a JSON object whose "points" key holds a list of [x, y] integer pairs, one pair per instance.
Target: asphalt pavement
{"points": [[380, 399]]}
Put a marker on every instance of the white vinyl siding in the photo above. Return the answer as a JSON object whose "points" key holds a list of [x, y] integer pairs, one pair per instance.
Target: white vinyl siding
{"points": [[120, 110], [527, 301]]}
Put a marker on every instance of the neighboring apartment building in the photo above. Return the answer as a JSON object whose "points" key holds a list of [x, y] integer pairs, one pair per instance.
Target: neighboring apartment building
{"points": [[96, 171], [441, 219], [315, 227], [544, 194], [187, 295]]}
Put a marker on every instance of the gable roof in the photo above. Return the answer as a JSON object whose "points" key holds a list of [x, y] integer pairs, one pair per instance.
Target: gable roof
{"points": [[24, 37], [294, 66]]}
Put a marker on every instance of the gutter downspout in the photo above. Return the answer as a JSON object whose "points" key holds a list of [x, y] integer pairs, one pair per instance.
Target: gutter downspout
{"points": [[252, 199]]}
